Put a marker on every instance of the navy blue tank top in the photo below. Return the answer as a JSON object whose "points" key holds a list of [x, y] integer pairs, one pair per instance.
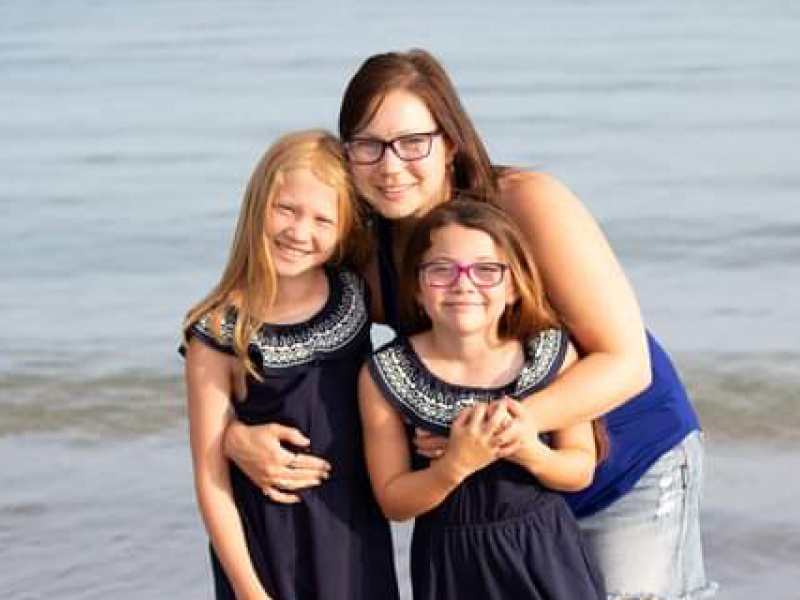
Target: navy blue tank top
{"points": [[640, 430]]}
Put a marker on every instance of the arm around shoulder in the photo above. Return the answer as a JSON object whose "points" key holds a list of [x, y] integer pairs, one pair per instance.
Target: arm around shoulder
{"points": [[568, 462], [588, 289]]}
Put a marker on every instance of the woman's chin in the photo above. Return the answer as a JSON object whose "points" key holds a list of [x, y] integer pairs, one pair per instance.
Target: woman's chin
{"points": [[393, 210], [394, 207]]}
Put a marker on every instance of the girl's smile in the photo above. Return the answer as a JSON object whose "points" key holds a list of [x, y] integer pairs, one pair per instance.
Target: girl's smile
{"points": [[461, 307], [302, 225]]}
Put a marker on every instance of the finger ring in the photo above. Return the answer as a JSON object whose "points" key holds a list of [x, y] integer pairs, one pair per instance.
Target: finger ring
{"points": [[293, 462]]}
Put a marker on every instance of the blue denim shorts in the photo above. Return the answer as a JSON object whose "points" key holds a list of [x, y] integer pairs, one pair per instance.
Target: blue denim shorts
{"points": [[647, 543]]}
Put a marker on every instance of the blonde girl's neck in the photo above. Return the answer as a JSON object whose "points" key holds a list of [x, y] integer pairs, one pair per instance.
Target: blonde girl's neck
{"points": [[298, 298]]}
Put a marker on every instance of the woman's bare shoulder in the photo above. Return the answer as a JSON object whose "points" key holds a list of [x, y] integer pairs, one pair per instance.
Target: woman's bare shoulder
{"points": [[537, 195]]}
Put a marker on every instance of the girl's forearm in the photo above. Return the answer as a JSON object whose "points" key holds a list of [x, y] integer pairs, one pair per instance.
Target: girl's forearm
{"points": [[209, 376], [224, 527], [413, 493], [593, 386], [563, 469]]}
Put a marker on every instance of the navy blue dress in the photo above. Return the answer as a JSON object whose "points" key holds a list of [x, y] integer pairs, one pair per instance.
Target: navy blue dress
{"points": [[335, 544], [500, 534]]}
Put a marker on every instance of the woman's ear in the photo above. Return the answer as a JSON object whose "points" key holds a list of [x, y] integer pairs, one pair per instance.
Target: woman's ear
{"points": [[450, 151]]}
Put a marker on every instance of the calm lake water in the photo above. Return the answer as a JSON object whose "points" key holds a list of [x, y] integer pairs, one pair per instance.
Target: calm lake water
{"points": [[129, 131]]}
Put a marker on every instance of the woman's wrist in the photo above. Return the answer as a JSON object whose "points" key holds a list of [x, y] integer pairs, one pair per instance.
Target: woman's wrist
{"points": [[534, 455], [232, 439]]}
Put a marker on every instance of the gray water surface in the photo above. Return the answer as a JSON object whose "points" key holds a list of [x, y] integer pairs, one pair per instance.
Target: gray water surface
{"points": [[129, 131]]}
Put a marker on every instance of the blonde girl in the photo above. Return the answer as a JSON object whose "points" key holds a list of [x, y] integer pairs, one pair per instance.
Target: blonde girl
{"points": [[279, 340]]}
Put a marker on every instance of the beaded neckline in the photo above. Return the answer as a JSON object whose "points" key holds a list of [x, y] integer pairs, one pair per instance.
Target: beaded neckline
{"points": [[432, 403], [333, 327]]}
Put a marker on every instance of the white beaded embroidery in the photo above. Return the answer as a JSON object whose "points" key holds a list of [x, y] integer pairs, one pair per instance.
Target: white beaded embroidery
{"points": [[439, 404], [302, 345]]}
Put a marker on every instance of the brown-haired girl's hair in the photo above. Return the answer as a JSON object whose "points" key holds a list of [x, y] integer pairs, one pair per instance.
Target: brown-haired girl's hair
{"points": [[248, 282], [419, 73], [529, 315]]}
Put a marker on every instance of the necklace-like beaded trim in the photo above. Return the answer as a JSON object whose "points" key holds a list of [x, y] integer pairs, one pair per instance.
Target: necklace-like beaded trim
{"points": [[291, 345], [435, 403]]}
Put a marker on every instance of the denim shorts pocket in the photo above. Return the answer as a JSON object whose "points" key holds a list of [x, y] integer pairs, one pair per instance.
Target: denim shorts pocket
{"points": [[655, 526]]}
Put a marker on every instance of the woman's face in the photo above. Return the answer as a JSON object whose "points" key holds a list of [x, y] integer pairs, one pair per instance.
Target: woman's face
{"points": [[398, 188]]}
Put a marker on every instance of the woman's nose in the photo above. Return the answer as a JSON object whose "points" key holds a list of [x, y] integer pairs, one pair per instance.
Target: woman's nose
{"points": [[390, 162]]}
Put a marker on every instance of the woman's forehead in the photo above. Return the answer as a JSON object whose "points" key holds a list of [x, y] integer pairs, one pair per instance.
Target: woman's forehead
{"points": [[399, 112]]}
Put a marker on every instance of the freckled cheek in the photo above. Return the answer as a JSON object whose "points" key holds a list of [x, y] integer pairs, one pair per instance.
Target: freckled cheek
{"points": [[275, 224], [328, 238]]}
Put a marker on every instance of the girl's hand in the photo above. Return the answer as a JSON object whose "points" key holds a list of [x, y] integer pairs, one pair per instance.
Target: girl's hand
{"points": [[429, 444], [510, 430], [471, 446], [519, 441], [263, 453]]}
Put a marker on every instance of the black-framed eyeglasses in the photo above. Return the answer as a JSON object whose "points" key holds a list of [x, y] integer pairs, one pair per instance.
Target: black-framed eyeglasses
{"points": [[409, 147], [442, 274]]}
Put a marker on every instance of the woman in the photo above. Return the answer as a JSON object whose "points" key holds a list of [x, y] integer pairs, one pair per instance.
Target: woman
{"points": [[412, 146]]}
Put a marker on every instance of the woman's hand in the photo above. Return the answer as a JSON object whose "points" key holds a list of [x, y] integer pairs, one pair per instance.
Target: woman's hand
{"points": [[429, 444], [263, 453], [519, 440]]}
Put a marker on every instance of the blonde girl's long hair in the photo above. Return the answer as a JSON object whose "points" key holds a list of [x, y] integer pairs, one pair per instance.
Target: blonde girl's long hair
{"points": [[249, 281]]}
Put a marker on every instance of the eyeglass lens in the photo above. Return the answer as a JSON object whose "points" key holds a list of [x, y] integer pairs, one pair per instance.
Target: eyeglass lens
{"points": [[414, 146], [482, 274]]}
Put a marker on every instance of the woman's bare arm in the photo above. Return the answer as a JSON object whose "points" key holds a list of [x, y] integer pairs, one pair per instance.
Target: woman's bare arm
{"points": [[568, 463], [591, 294]]}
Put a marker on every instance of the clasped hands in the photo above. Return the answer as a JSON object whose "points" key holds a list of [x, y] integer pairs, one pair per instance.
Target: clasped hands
{"points": [[481, 434], [276, 459]]}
